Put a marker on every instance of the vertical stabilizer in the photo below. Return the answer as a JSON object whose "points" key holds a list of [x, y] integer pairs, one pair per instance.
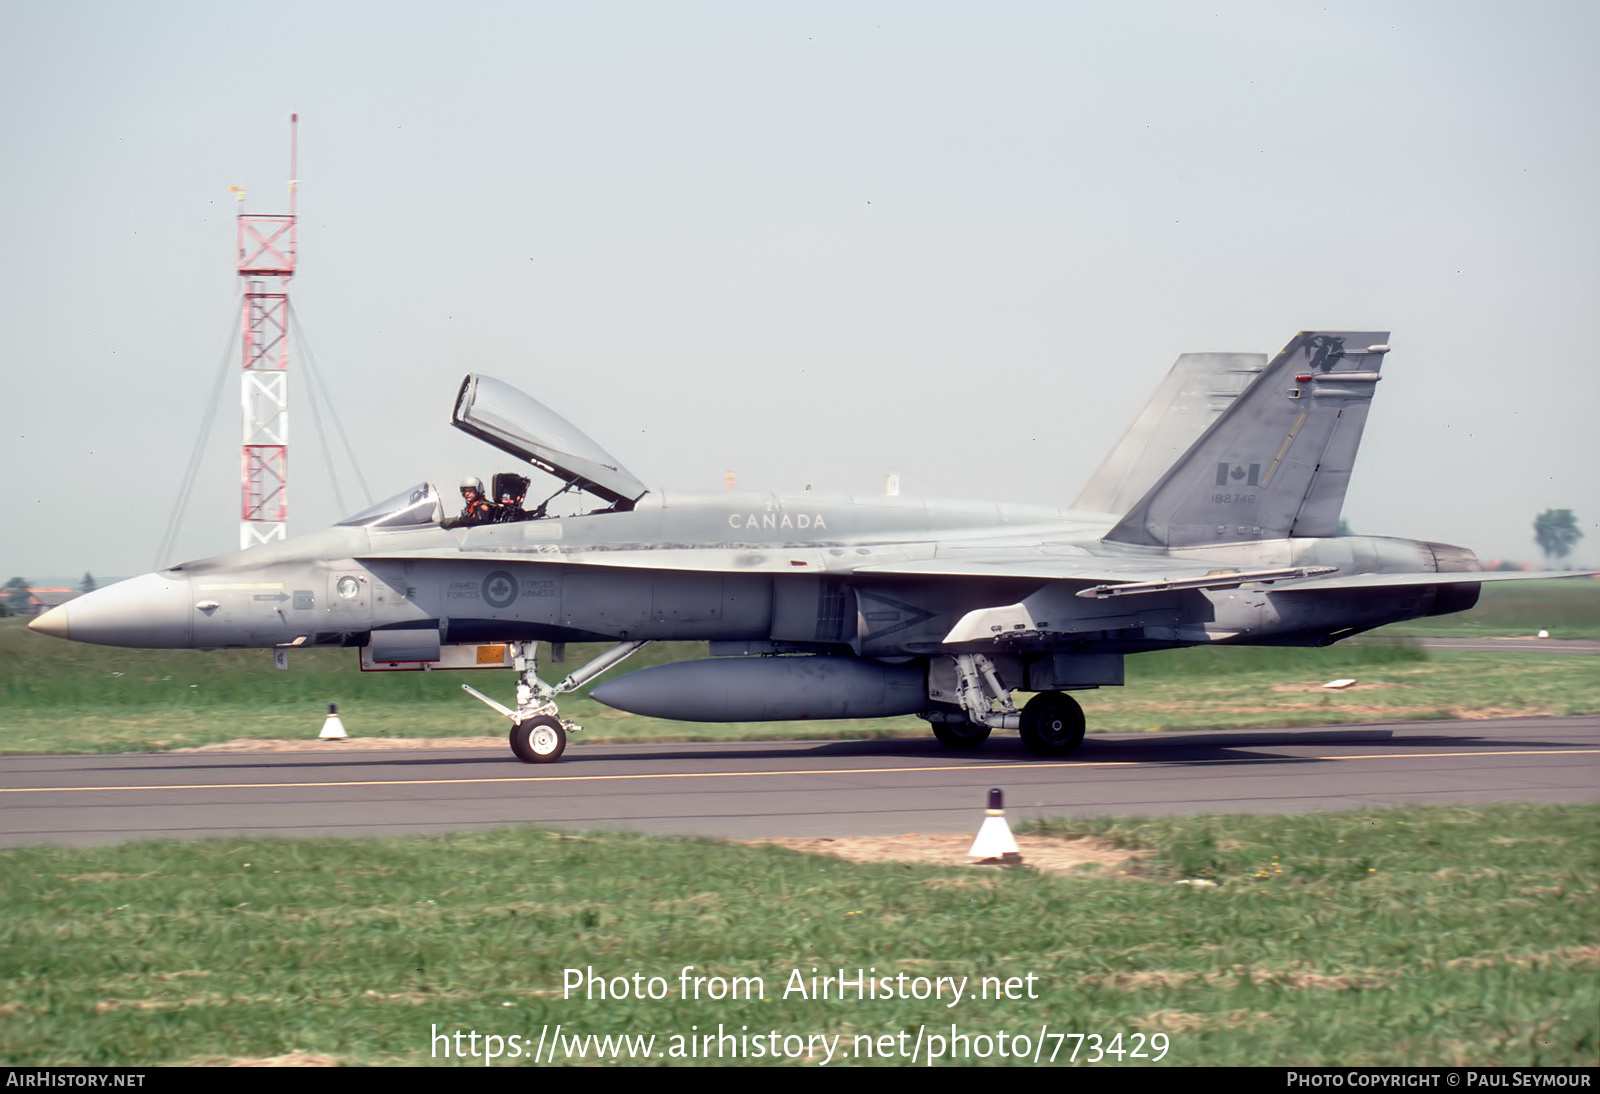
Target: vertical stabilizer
{"points": [[1198, 388], [1278, 460]]}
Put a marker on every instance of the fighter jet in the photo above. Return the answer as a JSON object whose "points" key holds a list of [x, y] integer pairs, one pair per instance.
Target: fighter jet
{"points": [[1214, 522]]}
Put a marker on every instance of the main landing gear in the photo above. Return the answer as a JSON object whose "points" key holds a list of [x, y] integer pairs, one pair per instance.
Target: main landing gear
{"points": [[1051, 723], [538, 732]]}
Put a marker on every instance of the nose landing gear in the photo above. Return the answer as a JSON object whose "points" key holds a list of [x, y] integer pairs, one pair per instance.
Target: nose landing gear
{"points": [[538, 732]]}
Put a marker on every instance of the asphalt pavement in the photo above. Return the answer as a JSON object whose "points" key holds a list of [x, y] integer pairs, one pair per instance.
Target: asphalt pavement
{"points": [[791, 788]]}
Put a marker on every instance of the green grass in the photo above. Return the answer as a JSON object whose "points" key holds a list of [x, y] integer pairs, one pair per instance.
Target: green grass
{"points": [[1402, 937], [66, 697], [1218, 688], [1567, 608]]}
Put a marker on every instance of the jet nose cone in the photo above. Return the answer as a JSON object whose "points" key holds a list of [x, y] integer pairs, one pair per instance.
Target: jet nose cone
{"points": [[153, 611], [52, 622]]}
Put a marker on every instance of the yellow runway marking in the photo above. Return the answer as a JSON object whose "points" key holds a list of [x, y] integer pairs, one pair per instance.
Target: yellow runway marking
{"points": [[1026, 766]]}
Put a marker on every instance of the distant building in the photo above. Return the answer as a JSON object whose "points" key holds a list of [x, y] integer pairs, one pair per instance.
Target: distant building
{"points": [[42, 600]]}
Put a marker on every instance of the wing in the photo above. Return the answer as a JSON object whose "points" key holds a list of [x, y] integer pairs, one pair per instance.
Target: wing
{"points": [[1057, 607], [1140, 593], [1108, 578]]}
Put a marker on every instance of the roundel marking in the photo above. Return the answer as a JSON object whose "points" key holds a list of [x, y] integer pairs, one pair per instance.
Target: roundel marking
{"points": [[499, 589]]}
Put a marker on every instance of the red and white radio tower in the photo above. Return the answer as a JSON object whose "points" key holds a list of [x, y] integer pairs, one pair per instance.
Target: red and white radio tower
{"points": [[266, 262]]}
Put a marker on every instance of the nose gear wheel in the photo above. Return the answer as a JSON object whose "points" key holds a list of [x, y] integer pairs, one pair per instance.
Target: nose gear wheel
{"points": [[539, 740]]}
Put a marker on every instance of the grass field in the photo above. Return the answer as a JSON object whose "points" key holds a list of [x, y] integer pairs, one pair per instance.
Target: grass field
{"points": [[1401, 937], [60, 696], [1408, 937], [1567, 608]]}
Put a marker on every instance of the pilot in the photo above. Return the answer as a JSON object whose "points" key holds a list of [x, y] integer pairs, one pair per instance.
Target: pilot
{"points": [[477, 509]]}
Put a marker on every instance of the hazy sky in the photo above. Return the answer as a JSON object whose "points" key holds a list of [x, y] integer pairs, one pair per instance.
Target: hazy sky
{"points": [[806, 242]]}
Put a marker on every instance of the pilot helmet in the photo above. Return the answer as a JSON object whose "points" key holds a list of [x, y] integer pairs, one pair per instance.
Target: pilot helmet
{"points": [[472, 483]]}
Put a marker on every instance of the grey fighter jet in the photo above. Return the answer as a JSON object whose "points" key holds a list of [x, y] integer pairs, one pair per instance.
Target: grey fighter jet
{"points": [[1214, 522]]}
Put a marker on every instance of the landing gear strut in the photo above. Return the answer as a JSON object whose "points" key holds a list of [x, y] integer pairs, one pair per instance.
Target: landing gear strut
{"points": [[538, 732], [1052, 723]]}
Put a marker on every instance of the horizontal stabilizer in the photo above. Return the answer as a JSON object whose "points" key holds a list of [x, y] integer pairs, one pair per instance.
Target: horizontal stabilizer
{"points": [[1391, 581]]}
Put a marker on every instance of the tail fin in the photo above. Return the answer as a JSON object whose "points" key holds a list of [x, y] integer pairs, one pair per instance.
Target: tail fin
{"points": [[1199, 387], [1278, 461]]}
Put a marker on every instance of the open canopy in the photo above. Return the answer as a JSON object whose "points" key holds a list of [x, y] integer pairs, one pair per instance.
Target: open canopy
{"points": [[494, 411]]}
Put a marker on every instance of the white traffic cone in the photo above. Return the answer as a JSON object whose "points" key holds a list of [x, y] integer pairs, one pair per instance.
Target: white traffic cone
{"points": [[994, 843], [332, 728]]}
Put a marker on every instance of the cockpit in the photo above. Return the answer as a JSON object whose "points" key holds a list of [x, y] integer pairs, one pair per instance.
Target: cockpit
{"points": [[518, 424]]}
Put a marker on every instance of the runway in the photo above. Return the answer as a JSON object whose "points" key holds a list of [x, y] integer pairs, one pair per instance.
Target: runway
{"points": [[800, 788]]}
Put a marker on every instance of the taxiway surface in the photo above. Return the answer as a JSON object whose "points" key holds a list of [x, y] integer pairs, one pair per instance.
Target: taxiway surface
{"points": [[791, 788]]}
